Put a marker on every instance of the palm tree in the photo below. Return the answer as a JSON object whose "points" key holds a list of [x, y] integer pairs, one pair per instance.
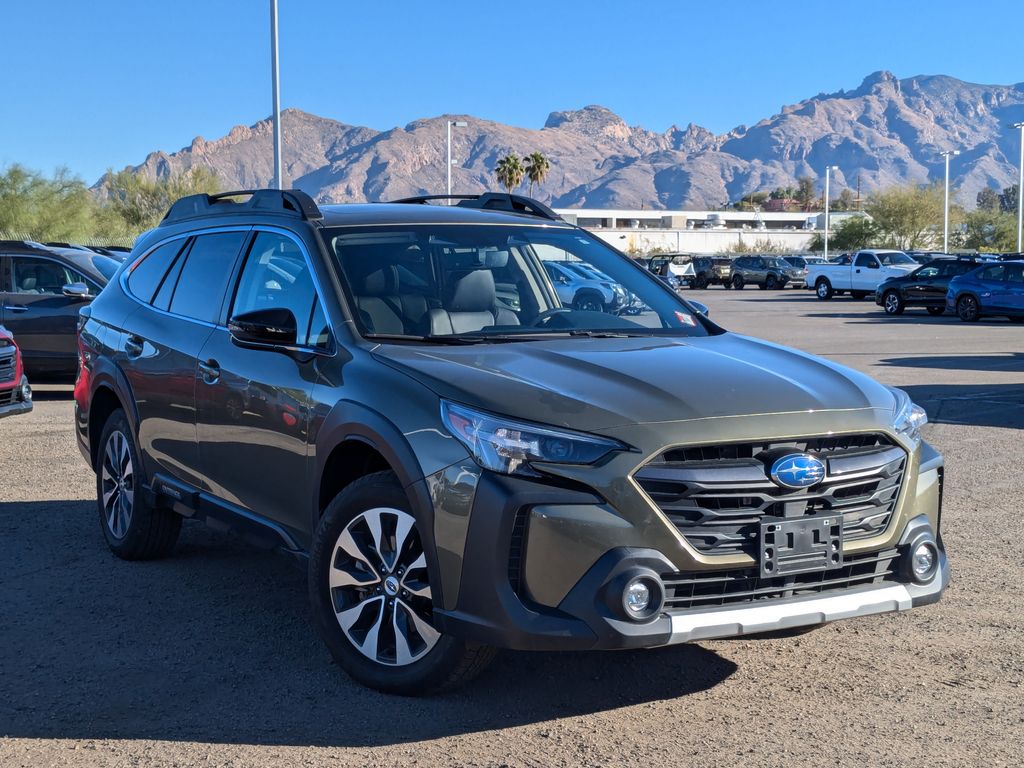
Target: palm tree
{"points": [[510, 172], [537, 167]]}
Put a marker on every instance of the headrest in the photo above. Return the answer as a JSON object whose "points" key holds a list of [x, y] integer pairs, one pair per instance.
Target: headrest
{"points": [[382, 281], [473, 292]]}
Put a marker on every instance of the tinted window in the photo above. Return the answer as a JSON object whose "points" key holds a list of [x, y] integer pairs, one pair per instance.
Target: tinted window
{"points": [[993, 273], [927, 272], [40, 276], [864, 260], [319, 332], [146, 275], [205, 275], [954, 268], [276, 276], [1015, 273]]}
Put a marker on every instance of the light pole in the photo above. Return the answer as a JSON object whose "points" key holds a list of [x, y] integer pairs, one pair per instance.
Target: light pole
{"points": [[945, 206], [457, 124], [276, 182], [828, 172], [1020, 191]]}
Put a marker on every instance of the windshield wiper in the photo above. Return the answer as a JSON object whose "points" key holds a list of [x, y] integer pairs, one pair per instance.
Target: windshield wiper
{"points": [[455, 339], [606, 334]]}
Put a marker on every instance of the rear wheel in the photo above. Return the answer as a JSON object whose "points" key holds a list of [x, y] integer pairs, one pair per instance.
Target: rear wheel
{"points": [[700, 282], [823, 289], [133, 528], [737, 282], [967, 309], [936, 310], [369, 587], [893, 303]]}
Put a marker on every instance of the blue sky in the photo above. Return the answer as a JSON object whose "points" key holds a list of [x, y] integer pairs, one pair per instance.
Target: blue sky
{"points": [[98, 84]]}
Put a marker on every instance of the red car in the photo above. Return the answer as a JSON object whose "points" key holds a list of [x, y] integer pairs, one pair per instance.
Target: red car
{"points": [[15, 393]]}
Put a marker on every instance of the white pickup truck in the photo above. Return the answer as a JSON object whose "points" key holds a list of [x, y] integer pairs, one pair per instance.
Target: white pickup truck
{"points": [[859, 274]]}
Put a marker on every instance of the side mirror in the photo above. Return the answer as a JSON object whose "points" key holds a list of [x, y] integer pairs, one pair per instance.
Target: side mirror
{"points": [[264, 327], [76, 291], [701, 308]]}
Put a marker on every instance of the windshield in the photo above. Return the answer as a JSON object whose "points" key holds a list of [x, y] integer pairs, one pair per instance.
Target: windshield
{"points": [[779, 262], [106, 266], [895, 257], [481, 283]]}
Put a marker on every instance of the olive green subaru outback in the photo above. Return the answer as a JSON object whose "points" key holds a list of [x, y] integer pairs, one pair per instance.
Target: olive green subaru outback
{"points": [[395, 394]]}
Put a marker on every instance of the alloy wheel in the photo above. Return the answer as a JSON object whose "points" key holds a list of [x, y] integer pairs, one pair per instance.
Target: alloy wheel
{"points": [[892, 303], [380, 589], [118, 484], [967, 308]]}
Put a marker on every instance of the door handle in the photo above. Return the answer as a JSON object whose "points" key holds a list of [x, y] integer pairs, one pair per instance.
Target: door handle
{"points": [[15, 308], [133, 346], [210, 371]]}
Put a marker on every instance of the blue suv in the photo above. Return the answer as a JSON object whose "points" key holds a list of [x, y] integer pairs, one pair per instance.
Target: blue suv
{"points": [[995, 289]]}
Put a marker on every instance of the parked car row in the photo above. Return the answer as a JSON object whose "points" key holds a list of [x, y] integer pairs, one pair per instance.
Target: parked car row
{"points": [[767, 271]]}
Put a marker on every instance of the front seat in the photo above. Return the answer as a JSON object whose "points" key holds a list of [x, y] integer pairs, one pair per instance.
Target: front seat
{"points": [[470, 304], [377, 301]]}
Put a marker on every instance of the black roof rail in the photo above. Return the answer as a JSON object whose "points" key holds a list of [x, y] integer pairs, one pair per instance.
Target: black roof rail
{"points": [[22, 244], [491, 201], [290, 202]]}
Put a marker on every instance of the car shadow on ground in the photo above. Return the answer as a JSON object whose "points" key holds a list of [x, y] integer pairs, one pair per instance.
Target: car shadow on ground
{"points": [[985, 405], [1008, 361], [215, 645]]}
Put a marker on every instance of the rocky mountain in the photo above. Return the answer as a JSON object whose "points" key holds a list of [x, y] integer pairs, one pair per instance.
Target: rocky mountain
{"points": [[886, 131]]}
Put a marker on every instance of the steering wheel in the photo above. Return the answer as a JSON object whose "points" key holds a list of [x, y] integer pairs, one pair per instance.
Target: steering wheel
{"points": [[541, 321]]}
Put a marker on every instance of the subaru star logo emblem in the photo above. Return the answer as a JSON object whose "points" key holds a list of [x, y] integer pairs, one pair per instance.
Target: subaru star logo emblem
{"points": [[798, 470]]}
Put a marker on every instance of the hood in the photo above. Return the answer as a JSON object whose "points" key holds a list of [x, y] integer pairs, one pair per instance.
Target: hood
{"points": [[594, 384]]}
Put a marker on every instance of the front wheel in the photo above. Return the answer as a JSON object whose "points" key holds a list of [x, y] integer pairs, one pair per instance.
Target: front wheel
{"points": [[893, 303], [588, 302], [370, 591], [133, 528], [967, 309], [823, 289], [700, 282], [737, 282]]}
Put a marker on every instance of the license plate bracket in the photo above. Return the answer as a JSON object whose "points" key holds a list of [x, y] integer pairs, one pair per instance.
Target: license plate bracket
{"points": [[792, 545]]}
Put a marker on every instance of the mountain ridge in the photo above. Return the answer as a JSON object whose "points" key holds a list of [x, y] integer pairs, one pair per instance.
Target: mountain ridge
{"points": [[885, 131]]}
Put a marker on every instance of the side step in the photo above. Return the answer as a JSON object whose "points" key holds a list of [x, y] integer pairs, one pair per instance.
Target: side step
{"points": [[168, 493]]}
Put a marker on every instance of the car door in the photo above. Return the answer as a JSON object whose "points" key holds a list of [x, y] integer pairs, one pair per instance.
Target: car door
{"points": [[181, 284], [41, 316], [253, 401], [920, 288], [865, 272], [1015, 289]]}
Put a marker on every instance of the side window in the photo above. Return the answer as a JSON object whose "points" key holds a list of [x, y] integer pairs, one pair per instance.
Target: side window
{"points": [[145, 276], [928, 273], [993, 273], [276, 276], [1015, 273], [864, 260], [318, 334], [39, 276], [205, 274]]}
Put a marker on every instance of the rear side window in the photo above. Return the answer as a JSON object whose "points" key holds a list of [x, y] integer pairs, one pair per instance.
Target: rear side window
{"points": [[145, 276], [205, 274]]}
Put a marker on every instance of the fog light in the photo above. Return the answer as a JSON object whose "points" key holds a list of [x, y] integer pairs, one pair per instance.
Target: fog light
{"points": [[924, 561], [637, 597], [26, 392]]}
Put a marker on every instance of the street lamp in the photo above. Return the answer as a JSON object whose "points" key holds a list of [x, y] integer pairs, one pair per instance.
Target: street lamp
{"points": [[1020, 191], [457, 124], [276, 182], [945, 207], [828, 172]]}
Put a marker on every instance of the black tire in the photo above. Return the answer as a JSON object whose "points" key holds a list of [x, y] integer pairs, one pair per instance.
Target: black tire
{"points": [[449, 663], [700, 282], [893, 303], [771, 283], [727, 284], [738, 282], [588, 301], [823, 289], [858, 295], [936, 311], [967, 309], [133, 528]]}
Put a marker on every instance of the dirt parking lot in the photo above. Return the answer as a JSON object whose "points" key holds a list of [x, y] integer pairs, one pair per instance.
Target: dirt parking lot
{"points": [[209, 658]]}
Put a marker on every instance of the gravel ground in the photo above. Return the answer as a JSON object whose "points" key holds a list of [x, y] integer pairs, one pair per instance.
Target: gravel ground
{"points": [[209, 658]]}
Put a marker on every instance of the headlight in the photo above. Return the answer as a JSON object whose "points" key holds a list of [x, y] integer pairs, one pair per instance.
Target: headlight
{"points": [[507, 446], [909, 417]]}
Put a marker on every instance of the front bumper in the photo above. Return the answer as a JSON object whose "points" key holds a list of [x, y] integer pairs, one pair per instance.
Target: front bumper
{"points": [[15, 405], [526, 579]]}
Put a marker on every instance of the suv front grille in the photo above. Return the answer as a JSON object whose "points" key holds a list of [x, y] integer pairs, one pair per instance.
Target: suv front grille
{"points": [[716, 495], [6, 365], [696, 591]]}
